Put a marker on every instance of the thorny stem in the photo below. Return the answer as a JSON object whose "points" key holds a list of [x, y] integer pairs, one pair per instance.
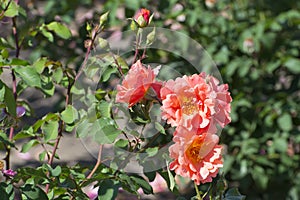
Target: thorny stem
{"points": [[14, 85], [118, 65], [15, 33], [137, 41], [144, 53]]}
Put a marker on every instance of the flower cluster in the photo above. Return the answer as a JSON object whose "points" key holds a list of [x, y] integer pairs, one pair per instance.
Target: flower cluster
{"points": [[196, 105]]}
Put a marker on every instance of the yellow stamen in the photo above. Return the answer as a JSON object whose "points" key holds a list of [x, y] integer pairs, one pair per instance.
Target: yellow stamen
{"points": [[189, 106]]}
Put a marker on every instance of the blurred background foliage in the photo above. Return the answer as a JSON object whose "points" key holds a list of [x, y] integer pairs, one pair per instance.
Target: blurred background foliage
{"points": [[255, 45]]}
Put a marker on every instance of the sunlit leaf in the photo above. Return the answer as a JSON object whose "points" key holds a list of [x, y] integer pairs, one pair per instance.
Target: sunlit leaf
{"points": [[60, 29], [29, 75], [50, 130]]}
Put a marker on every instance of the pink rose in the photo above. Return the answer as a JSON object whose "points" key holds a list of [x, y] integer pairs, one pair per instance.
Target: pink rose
{"points": [[136, 84], [196, 156], [195, 100]]}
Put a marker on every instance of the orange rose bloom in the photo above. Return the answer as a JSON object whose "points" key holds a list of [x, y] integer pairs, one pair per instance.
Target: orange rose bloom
{"points": [[196, 100], [196, 156], [136, 84]]}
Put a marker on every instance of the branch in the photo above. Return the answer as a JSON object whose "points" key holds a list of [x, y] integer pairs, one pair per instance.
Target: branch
{"points": [[61, 128], [137, 41], [97, 164], [14, 84]]}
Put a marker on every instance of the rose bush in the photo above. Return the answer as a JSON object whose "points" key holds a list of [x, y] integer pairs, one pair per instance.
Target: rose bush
{"points": [[247, 40]]}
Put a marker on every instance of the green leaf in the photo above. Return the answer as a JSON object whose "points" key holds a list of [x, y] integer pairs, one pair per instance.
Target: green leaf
{"points": [[13, 9], [2, 91], [121, 143], [280, 144], [70, 127], [57, 75], [143, 184], [50, 130], [107, 190], [152, 151], [100, 94], [60, 29], [7, 191], [19, 62], [171, 179], [4, 53], [83, 128], [10, 101], [293, 65], [105, 131], [26, 133], [40, 65], [104, 108], [285, 122], [42, 156], [29, 75], [56, 171], [260, 177], [27, 146], [160, 128], [107, 73], [69, 115], [5, 140], [47, 34], [33, 192]]}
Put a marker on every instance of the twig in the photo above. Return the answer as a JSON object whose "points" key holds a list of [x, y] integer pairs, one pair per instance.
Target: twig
{"points": [[88, 51], [137, 41], [144, 53], [15, 33], [14, 85], [197, 191], [51, 158], [97, 164], [117, 63]]}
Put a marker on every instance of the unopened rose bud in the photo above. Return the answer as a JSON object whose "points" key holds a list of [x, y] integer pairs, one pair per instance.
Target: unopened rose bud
{"points": [[142, 18], [103, 18]]}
